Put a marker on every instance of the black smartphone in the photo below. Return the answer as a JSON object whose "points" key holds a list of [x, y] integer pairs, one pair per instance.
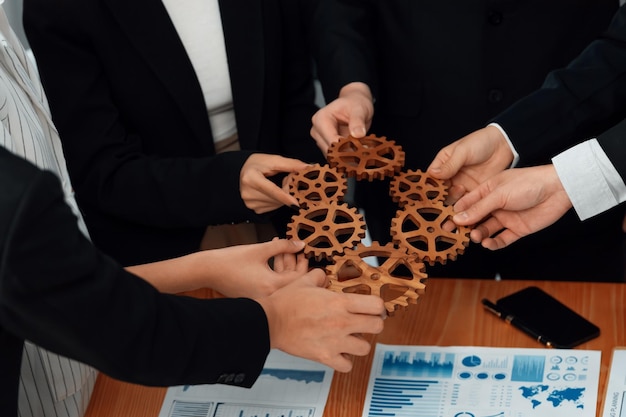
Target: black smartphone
{"points": [[544, 318]]}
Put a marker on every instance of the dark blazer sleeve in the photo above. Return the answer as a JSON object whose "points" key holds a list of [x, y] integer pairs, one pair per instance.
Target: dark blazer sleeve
{"points": [[613, 144], [582, 100], [145, 157], [343, 44], [57, 290]]}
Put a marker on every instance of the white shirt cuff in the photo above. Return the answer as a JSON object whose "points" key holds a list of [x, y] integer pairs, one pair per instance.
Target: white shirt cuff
{"points": [[506, 137], [589, 178]]}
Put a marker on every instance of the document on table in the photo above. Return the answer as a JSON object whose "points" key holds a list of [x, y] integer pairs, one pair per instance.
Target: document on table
{"points": [[615, 396], [287, 387], [482, 382]]}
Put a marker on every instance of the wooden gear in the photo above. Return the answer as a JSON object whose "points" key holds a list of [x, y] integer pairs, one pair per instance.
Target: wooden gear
{"points": [[327, 229], [398, 279], [370, 157], [415, 186], [317, 185], [420, 228]]}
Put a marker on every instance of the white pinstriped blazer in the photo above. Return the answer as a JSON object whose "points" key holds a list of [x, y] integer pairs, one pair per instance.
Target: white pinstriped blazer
{"points": [[50, 385]]}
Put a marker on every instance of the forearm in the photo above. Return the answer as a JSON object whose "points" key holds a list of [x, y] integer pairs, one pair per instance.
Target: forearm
{"points": [[65, 296]]}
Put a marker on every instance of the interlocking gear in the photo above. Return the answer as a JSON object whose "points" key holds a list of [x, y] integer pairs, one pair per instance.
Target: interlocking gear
{"points": [[327, 229], [317, 185], [370, 157], [422, 230], [398, 280], [415, 186]]}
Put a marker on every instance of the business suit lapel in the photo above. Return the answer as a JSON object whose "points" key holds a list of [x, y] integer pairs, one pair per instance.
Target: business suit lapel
{"points": [[149, 28], [242, 21]]}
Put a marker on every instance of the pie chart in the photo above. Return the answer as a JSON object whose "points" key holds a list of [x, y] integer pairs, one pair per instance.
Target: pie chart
{"points": [[471, 361]]}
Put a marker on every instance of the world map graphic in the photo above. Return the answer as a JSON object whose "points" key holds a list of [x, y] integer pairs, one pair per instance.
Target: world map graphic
{"points": [[541, 394]]}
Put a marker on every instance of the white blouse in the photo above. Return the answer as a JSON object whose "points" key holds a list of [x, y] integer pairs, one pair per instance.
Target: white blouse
{"points": [[199, 26]]}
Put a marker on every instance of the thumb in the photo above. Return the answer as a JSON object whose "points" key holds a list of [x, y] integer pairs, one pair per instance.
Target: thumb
{"points": [[277, 246], [315, 277], [447, 162], [357, 123]]}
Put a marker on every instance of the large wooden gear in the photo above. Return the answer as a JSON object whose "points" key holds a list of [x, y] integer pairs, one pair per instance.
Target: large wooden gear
{"points": [[398, 280], [427, 230], [369, 157], [327, 229]]}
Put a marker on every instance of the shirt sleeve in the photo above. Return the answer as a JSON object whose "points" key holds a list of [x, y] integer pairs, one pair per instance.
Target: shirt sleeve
{"points": [[591, 181]]}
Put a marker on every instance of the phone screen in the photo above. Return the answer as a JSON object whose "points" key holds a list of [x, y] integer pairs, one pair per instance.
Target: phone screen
{"points": [[546, 316]]}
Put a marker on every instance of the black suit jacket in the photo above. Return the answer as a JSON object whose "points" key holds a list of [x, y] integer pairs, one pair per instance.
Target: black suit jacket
{"points": [[579, 101], [60, 292], [134, 124], [442, 69]]}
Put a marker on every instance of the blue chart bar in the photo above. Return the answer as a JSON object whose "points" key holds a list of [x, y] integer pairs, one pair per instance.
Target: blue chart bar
{"points": [[400, 397], [527, 368], [247, 410], [435, 365]]}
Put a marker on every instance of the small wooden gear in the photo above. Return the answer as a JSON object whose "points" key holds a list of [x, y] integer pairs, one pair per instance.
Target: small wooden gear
{"points": [[415, 186], [327, 229], [420, 229], [317, 184], [370, 157], [398, 280]]}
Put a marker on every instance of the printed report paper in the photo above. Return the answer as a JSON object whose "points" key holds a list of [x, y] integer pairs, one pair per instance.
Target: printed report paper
{"points": [[287, 386], [615, 397], [466, 381]]}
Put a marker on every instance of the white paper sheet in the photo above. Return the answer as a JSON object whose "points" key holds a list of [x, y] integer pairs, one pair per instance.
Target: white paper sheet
{"points": [[288, 387], [615, 397], [467, 381]]}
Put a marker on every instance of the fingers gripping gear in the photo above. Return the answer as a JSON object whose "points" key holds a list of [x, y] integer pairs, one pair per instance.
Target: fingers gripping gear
{"points": [[415, 186], [317, 185], [327, 229], [398, 279], [370, 157], [427, 230]]}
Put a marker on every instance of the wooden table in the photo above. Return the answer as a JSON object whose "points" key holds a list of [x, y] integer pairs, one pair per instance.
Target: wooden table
{"points": [[448, 314]]}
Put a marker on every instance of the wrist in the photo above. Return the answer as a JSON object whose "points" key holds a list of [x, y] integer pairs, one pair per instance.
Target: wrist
{"points": [[356, 87]]}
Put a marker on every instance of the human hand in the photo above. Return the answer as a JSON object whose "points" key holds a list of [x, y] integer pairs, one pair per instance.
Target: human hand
{"points": [[257, 191], [471, 160], [310, 321], [518, 202], [245, 271], [234, 271], [349, 114]]}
